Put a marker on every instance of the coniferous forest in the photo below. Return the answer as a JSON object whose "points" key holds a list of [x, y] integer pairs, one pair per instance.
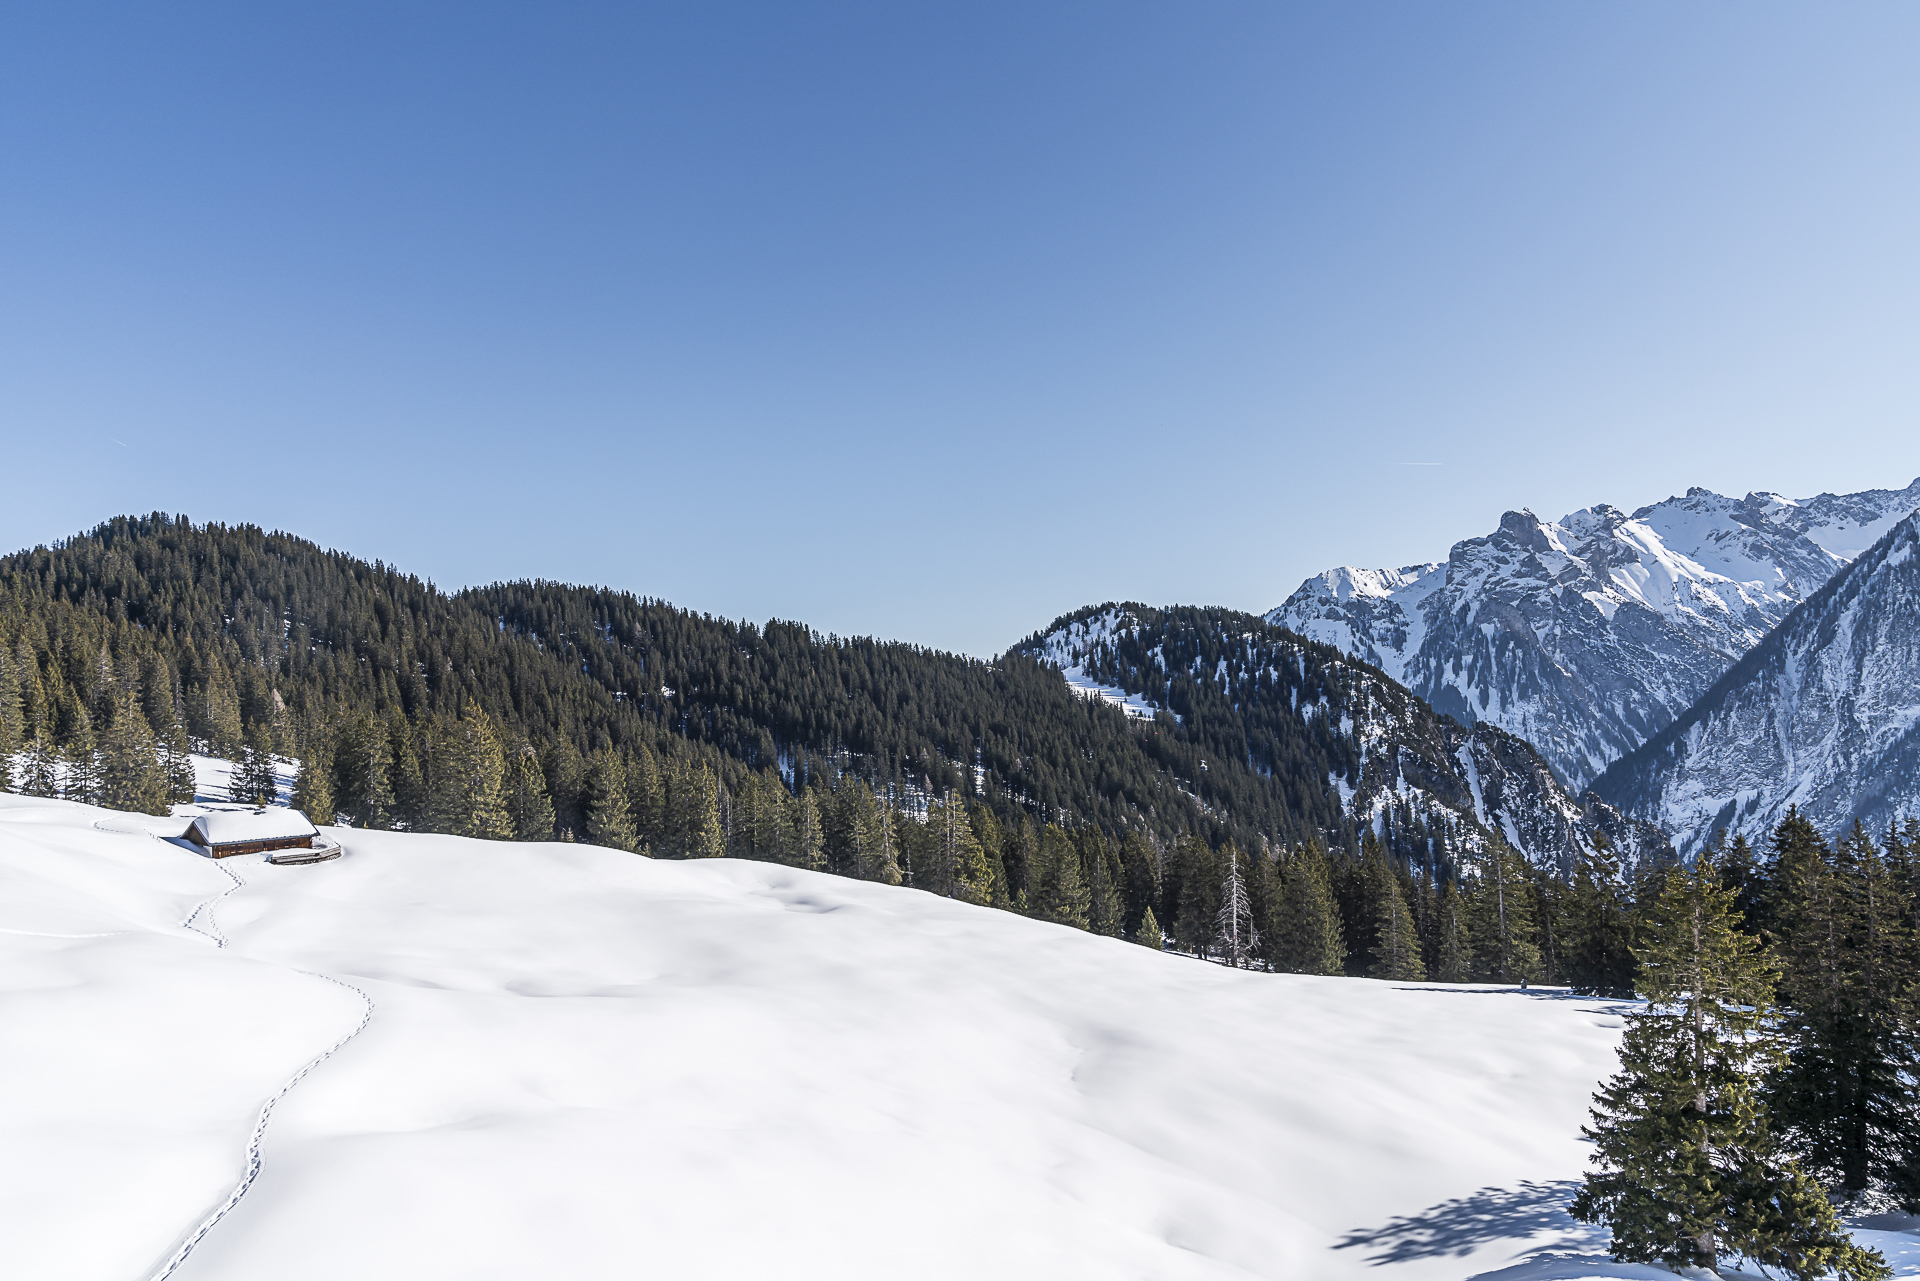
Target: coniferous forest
{"points": [[536, 712]]}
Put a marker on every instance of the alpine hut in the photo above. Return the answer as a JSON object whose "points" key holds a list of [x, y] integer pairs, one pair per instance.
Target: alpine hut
{"points": [[273, 828]]}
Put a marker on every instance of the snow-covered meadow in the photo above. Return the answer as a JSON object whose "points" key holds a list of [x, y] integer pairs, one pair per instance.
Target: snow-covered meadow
{"points": [[586, 1064]]}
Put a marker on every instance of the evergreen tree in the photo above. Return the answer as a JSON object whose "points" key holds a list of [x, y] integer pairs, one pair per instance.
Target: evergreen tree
{"points": [[646, 798], [609, 819], [1308, 920], [10, 718], [1396, 946], [1149, 934], [1199, 882], [1688, 1171], [529, 808], [407, 774], [467, 779], [809, 843], [176, 766], [313, 786], [129, 773], [1058, 892], [1106, 914], [708, 840], [42, 773], [1453, 952], [255, 779], [960, 864], [363, 773], [1500, 918], [1598, 929], [1235, 938], [1845, 1099]]}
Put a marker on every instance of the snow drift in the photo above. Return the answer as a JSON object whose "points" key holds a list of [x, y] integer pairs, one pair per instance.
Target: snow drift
{"points": [[587, 1064]]}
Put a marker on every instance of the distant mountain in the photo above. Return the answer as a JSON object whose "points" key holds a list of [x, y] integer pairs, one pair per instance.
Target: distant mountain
{"points": [[1337, 736], [1824, 714], [1589, 635]]}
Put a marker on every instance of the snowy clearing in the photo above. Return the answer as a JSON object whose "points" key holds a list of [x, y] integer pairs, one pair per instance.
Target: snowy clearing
{"points": [[587, 1064]]}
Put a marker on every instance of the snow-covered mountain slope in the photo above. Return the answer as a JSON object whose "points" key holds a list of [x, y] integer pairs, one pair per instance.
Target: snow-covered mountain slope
{"points": [[1330, 729], [592, 1065], [1589, 634], [1824, 714]]}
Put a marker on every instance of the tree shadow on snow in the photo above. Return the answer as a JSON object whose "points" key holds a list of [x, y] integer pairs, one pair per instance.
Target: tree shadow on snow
{"points": [[1462, 1225]]}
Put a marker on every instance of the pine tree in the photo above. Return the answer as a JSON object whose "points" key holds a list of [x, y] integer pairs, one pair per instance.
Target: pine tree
{"points": [[1308, 918], [708, 840], [1845, 1100], [1149, 935], [1235, 938], [646, 799], [1059, 894], [407, 774], [467, 779], [809, 845], [1396, 947], [129, 775], [1106, 914], [1199, 882], [609, 818], [961, 869], [1688, 1171], [1598, 928], [10, 718], [1501, 919], [529, 808], [1453, 954], [42, 773], [255, 780], [313, 786]]}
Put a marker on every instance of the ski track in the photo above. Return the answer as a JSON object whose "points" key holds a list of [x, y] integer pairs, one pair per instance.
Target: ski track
{"points": [[206, 1225]]}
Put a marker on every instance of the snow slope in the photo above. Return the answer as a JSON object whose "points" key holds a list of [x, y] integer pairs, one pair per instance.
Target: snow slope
{"points": [[587, 1064], [1588, 635]]}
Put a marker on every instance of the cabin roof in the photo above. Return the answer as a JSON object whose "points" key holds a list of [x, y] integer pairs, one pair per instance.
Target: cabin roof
{"points": [[231, 827]]}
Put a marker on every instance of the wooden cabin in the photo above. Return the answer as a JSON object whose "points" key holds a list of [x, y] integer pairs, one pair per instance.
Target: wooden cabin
{"points": [[226, 832]]}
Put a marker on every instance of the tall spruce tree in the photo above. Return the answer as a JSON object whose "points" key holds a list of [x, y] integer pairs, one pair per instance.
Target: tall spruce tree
{"points": [[609, 820], [1309, 939], [1845, 1100], [808, 847], [1597, 931], [1396, 946], [313, 786], [1688, 1170], [529, 807], [129, 774], [468, 782], [1059, 894], [11, 718], [1501, 918]]}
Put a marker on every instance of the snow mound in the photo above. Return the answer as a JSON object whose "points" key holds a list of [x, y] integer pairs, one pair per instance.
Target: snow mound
{"points": [[587, 1064]]}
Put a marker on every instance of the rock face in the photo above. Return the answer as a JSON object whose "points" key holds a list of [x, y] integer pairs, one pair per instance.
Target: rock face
{"points": [[1824, 714], [1589, 635], [1339, 736]]}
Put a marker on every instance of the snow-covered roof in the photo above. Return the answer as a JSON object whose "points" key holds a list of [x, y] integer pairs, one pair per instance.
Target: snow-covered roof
{"points": [[274, 823]]}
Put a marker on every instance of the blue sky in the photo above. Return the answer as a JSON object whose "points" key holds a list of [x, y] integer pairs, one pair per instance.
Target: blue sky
{"points": [[936, 322]]}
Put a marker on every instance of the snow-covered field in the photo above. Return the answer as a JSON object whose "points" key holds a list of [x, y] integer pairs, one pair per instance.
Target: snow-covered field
{"points": [[585, 1064]]}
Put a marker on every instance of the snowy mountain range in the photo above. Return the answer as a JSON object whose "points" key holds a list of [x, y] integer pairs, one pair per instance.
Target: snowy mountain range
{"points": [[1824, 714], [1589, 635], [1240, 688]]}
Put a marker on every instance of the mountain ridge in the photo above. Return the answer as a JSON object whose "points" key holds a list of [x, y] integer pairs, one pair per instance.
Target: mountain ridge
{"points": [[1589, 634]]}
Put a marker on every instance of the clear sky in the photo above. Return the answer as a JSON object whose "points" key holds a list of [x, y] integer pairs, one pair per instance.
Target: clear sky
{"points": [[934, 322]]}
